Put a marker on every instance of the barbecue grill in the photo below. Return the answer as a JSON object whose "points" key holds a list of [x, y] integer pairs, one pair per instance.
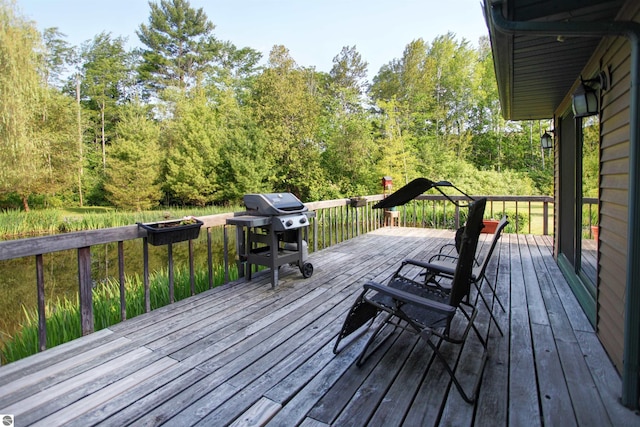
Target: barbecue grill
{"points": [[272, 232]]}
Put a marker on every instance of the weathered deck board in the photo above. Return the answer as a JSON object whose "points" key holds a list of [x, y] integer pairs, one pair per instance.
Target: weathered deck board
{"points": [[246, 354]]}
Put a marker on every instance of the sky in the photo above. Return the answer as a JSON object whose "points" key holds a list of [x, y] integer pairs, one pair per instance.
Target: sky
{"points": [[314, 31]]}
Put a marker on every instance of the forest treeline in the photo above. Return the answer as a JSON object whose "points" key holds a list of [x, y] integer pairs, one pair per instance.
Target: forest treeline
{"points": [[189, 119]]}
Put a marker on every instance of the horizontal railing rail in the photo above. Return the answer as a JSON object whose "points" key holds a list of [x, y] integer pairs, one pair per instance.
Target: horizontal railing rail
{"points": [[335, 221]]}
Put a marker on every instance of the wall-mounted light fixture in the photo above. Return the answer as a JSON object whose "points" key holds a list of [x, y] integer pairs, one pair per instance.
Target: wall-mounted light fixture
{"points": [[585, 98], [546, 140]]}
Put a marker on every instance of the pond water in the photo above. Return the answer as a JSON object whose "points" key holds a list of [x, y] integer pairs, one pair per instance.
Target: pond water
{"points": [[18, 277]]}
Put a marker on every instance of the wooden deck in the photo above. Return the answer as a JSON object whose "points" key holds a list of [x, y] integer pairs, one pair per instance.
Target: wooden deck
{"points": [[245, 354]]}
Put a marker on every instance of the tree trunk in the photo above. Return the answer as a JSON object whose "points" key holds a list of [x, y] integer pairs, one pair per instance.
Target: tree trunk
{"points": [[104, 150], [25, 203], [80, 150]]}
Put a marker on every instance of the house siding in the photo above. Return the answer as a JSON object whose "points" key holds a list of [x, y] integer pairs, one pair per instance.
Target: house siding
{"points": [[614, 182]]}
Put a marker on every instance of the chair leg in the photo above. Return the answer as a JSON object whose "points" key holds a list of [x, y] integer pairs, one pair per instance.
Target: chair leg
{"points": [[490, 309], [363, 355], [359, 314], [495, 294], [471, 397]]}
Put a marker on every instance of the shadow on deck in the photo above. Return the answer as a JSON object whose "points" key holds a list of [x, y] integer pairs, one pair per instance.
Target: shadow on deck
{"points": [[246, 354]]}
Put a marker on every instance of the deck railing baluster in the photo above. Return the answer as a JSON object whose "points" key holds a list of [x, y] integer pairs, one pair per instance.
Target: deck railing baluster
{"points": [[545, 217], [145, 274], [121, 282], [192, 272], [42, 316], [225, 254], [86, 287]]}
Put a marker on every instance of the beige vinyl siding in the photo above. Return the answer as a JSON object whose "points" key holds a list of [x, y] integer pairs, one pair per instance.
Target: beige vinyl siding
{"points": [[614, 182]]}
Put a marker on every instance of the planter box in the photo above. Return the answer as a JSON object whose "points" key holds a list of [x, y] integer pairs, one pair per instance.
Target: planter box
{"points": [[358, 202], [172, 231], [489, 226]]}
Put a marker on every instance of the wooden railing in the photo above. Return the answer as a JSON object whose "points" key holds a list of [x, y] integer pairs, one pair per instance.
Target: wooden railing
{"points": [[335, 221], [82, 242]]}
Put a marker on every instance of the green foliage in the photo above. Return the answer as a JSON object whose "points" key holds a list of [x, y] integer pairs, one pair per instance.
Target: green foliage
{"points": [[521, 220], [242, 147], [217, 125], [104, 79], [180, 45], [133, 172], [21, 94], [287, 110], [591, 158], [193, 151]]}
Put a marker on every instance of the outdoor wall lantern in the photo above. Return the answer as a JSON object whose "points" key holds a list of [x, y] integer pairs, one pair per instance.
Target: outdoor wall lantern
{"points": [[546, 140], [585, 98]]}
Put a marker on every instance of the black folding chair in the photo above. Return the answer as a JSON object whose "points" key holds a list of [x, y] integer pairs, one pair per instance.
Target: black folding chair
{"points": [[426, 311]]}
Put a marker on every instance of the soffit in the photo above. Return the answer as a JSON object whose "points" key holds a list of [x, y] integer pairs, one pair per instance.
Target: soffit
{"points": [[534, 73]]}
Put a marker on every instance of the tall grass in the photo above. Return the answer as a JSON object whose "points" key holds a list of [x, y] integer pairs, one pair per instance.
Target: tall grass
{"points": [[16, 223], [442, 215], [63, 315]]}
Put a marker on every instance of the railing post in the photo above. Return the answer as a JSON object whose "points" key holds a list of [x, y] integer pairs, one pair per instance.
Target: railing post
{"points": [[545, 217], [225, 240], [42, 316], [315, 233], [145, 274], [86, 296], [121, 278], [170, 257], [192, 272]]}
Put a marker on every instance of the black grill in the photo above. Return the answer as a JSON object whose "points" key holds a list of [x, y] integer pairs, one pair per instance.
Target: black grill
{"points": [[272, 232]]}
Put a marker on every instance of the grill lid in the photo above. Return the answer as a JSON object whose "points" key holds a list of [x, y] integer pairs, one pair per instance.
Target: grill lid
{"points": [[273, 204]]}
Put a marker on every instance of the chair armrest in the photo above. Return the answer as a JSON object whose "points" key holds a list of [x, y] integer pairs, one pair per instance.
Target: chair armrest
{"points": [[433, 267], [446, 245], [416, 262], [443, 256], [410, 298]]}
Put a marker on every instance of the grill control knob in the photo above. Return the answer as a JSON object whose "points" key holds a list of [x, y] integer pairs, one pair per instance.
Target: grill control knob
{"points": [[289, 223], [303, 220]]}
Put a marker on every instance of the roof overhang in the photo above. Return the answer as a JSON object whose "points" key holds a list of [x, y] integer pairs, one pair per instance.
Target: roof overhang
{"points": [[535, 72]]}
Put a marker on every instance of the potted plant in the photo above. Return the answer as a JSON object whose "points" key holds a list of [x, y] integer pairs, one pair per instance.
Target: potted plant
{"points": [[595, 230], [172, 231], [358, 202], [489, 225]]}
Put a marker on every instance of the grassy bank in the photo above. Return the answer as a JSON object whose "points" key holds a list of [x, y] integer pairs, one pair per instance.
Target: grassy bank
{"points": [[16, 223]]}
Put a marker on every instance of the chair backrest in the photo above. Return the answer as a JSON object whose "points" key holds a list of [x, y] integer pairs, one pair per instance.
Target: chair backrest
{"points": [[496, 236], [464, 267]]}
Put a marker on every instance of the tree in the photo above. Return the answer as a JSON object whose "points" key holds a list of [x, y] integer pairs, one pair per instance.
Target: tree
{"points": [[20, 95], [242, 148], [105, 71], [181, 46], [397, 157], [54, 132], [58, 54], [133, 170], [349, 70], [346, 129], [287, 109], [193, 149]]}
